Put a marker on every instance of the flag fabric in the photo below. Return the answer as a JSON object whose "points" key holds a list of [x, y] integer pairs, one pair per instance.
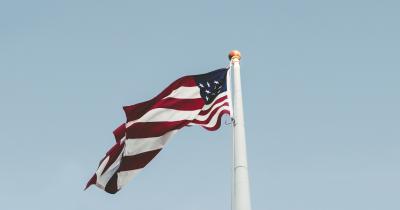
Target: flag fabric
{"points": [[190, 100]]}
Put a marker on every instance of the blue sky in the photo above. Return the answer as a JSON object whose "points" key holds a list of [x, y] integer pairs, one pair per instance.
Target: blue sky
{"points": [[321, 97]]}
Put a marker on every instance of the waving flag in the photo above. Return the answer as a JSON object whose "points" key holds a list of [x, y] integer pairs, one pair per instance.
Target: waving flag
{"points": [[190, 100]]}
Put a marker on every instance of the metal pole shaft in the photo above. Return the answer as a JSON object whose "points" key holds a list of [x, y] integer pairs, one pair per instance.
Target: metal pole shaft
{"points": [[241, 178]]}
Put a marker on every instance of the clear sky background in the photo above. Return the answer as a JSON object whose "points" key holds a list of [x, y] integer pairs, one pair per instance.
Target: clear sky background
{"points": [[321, 82]]}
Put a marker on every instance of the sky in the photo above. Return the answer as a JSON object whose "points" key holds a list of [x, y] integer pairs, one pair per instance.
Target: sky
{"points": [[321, 90]]}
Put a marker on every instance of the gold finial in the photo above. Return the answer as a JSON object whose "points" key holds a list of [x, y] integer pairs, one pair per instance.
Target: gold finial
{"points": [[234, 54]]}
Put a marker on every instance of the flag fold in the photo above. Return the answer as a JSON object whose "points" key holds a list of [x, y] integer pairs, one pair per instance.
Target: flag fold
{"points": [[190, 100]]}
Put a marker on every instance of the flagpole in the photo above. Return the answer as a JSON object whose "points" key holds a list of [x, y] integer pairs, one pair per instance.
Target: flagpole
{"points": [[241, 186]]}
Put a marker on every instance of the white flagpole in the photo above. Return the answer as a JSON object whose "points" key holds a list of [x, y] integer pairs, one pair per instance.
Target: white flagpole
{"points": [[241, 186]]}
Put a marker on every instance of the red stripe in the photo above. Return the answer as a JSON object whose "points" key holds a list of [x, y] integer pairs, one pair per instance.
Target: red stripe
{"points": [[119, 133], [218, 124], [112, 184], [204, 112], [130, 163], [137, 161], [171, 103], [136, 111], [153, 129], [179, 104], [211, 115], [219, 106], [93, 180], [113, 153]]}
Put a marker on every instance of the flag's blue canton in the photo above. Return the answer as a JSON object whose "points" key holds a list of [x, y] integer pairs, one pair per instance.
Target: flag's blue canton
{"points": [[211, 84]]}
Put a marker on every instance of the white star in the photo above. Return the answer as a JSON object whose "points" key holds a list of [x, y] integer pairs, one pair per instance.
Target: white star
{"points": [[206, 98], [201, 85], [216, 82], [208, 92], [208, 84]]}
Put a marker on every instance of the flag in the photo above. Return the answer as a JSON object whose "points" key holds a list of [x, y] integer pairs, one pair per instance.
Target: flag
{"points": [[190, 100]]}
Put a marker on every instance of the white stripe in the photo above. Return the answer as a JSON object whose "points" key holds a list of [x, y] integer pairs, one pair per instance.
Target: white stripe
{"points": [[122, 140], [125, 176], [132, 147], [163, 115], [214, 119], [102, 179], [101, 182], [207, 106], [137, 146], [185, 93], [204, 117]]}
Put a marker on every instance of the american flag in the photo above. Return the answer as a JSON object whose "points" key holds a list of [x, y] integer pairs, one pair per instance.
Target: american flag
{"points": [[190, 100]]}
